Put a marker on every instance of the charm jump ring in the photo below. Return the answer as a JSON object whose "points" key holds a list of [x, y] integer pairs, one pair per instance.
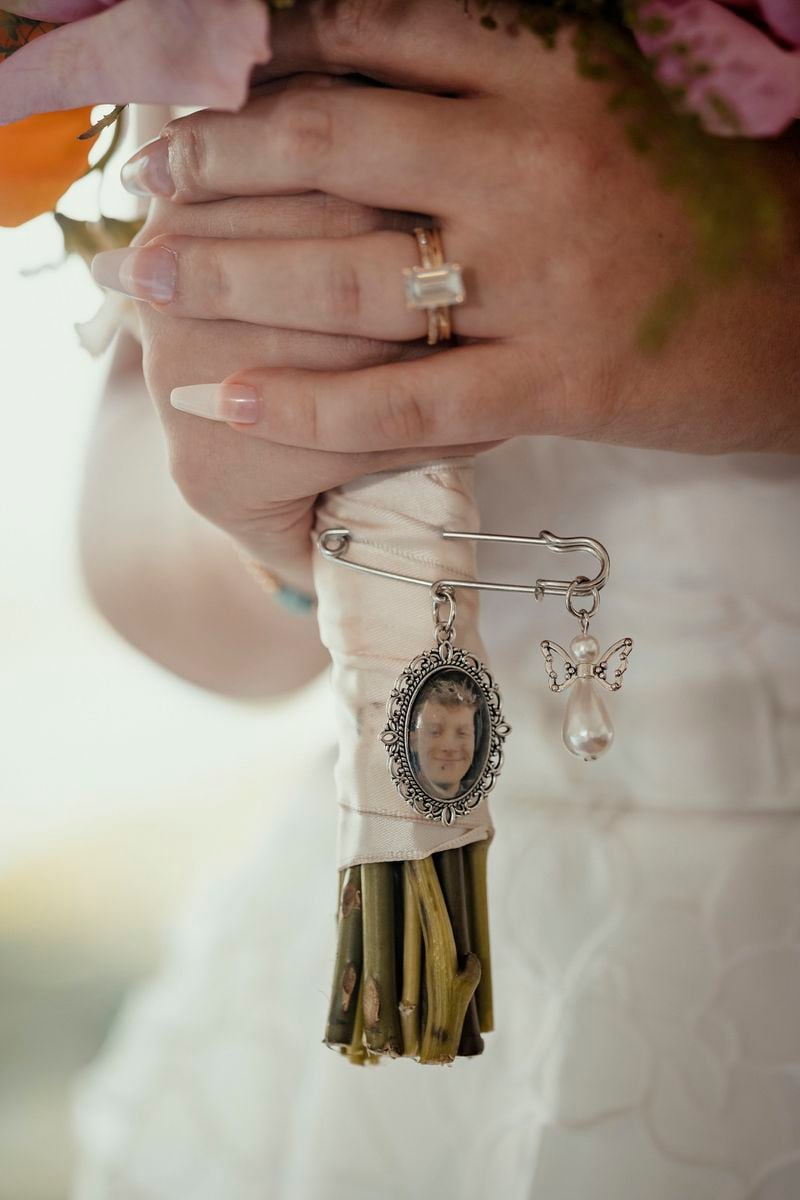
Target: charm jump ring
{"points": [[435, 285], [441, 594], [583, 614]]}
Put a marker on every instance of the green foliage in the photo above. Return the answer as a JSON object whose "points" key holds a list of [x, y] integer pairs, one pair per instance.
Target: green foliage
{"points": [[87, 238]]}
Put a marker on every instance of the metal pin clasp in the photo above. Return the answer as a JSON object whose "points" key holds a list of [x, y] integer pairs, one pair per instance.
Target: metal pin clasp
{"points": [[334, 544]]}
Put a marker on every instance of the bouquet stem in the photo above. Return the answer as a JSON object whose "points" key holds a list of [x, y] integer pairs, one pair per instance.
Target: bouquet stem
{"points": [[450, 869], [382, 1033], [425, 922], [475, 856], [356, 1052], [347, 972], [412, 968], [449, 988]]}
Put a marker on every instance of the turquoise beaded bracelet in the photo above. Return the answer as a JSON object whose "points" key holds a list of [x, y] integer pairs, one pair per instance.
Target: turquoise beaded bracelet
{"points": [[291, 599]]}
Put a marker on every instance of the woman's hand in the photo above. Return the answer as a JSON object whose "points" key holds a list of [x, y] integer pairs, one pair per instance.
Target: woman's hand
{"points": [[261, 494], [564, 233]]}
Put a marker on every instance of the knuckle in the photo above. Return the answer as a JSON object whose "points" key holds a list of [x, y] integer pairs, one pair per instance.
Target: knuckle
{"points": [[520, 154], [352, 22], [569, 159], [300, 419], [304, 131], [189, 152], [402, 420], [213, 280], [580, 160], [342, 290]]}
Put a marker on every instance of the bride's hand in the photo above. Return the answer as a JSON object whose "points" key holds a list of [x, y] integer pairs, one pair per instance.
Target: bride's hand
{"points": [[565, 235], [261, 494]]}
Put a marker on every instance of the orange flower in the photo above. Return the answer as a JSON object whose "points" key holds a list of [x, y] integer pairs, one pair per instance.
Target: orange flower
{"points": [[39, 159], [106, 49]]}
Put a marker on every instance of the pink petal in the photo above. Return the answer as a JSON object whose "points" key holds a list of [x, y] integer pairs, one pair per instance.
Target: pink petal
{"points": [[784, 17], [197, 52], [753, 76], [57, 11]]}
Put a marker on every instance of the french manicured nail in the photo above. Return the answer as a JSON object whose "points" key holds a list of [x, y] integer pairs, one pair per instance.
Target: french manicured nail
{"points": [[226, 402], [147, 173], [149, 273]]}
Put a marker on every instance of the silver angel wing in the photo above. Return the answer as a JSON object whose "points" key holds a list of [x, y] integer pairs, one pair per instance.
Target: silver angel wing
{"points": [[549, 650], [608, 673]]}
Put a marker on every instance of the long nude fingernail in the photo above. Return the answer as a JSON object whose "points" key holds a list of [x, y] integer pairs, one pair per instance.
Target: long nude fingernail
{"points": [[226, 402], [147, 273], [148, 172]]}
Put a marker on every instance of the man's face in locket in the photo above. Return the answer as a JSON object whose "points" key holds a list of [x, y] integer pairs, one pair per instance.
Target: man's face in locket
{"points": [[444, 740]]}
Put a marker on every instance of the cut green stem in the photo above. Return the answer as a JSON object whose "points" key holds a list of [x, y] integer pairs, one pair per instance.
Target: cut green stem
{"points": [[349, 962], [412, 968], [450, 869], [448, 988], [475, 858], [356, 1051], [382, 1033]]}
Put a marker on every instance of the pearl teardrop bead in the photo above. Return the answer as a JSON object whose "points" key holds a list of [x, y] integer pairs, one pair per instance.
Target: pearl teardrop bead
{"points": [[587, 730]]}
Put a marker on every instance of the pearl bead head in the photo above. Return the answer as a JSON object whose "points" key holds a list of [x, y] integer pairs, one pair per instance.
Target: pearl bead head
{"points": [[584, 648]]}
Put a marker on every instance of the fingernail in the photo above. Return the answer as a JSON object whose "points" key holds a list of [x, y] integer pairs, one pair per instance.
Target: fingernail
{"points": [[218, 402], [147, 173], [149, 273]]}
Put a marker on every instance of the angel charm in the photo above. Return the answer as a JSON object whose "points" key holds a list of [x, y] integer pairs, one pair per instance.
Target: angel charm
{"points": [[587, 731]]}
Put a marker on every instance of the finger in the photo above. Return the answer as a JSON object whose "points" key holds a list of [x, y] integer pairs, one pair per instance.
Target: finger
{"points": [[384, 148], [346, 285], [408, 43], [414, 456], [480, 392], [312, 214]]}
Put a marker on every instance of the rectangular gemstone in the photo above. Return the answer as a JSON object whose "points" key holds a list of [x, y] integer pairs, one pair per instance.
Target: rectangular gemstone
{"points": [[432, 287]]}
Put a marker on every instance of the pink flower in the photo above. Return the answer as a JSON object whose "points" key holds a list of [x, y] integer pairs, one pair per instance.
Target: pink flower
{"points": [[783, 18], [749, 79], [192, 52], [58, 11]]}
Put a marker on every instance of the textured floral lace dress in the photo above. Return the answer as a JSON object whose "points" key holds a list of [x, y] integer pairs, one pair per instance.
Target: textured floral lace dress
{"points": [[645, 907]]}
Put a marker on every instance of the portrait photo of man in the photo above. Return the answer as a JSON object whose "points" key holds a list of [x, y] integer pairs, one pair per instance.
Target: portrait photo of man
{"points": [[447, 733]]}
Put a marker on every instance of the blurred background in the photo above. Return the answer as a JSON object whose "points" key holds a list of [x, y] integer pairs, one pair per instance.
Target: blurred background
{"points": [[124, 790]]}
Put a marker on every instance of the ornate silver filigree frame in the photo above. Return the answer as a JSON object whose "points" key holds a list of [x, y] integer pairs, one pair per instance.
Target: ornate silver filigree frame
{"points": [[396, 735]]}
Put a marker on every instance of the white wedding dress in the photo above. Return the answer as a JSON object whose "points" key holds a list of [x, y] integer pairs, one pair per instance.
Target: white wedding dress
{"points": [[645, 908]]}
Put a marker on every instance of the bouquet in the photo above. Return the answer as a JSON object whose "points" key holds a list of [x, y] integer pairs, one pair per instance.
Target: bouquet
{"points": [[412, 974]]}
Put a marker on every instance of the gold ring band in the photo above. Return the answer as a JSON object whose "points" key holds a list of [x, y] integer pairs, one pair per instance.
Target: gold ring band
{"points": [[435, 285]]}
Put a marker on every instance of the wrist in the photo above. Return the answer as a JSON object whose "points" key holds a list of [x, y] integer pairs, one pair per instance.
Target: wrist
{"points": [[291, 588]]}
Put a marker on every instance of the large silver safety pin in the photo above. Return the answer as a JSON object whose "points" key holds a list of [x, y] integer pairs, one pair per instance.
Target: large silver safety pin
{"points": [[334, 543]]}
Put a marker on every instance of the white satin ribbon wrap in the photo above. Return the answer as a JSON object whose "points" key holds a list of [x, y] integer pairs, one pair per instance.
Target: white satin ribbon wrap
{"points": [[374, 627]]}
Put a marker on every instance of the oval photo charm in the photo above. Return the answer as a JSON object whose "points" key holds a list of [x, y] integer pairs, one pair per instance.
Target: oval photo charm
{"points": [[445, 733]]}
